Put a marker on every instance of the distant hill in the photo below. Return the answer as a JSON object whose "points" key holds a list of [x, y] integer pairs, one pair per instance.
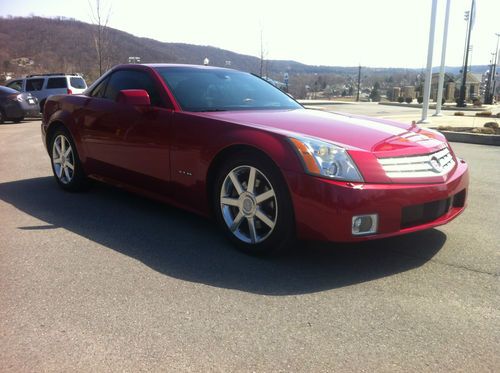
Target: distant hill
{"points": [[67, 45]]}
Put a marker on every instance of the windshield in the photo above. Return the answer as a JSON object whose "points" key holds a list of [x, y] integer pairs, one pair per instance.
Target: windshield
{"points": [[7, 91], [197, 89]]}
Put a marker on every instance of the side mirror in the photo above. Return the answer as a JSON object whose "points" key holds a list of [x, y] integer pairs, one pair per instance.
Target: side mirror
{"points": [[134, 97]]}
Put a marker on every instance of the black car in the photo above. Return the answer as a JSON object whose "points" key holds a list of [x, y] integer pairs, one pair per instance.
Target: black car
{"points": [[15, 106]]}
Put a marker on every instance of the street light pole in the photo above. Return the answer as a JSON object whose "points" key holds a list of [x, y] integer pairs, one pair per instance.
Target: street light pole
{"points": [[427, 85], [487, 92], [461, 101], [443, 57], [359, 82], [495, 61]]}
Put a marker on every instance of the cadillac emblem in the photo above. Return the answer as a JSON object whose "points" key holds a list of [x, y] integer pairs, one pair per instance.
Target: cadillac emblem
{"points": [[436, 165]]}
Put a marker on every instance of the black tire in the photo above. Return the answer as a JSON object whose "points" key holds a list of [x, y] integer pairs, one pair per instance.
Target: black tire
{"points": [[277, 209], [76, 180], [18, 120], [2, 116]]}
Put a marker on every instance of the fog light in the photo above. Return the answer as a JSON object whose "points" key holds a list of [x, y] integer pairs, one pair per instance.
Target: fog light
{"points": [[364, 224]]}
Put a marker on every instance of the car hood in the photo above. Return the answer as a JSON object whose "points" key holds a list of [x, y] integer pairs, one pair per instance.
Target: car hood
{"points": [[382, 137]]}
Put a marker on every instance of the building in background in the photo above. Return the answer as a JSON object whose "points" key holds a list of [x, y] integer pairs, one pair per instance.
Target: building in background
{"points": [[448, 87]]}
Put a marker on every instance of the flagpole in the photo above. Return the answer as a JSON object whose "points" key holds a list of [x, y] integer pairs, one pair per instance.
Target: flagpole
{"points": [[443, 57], [428, 76]]}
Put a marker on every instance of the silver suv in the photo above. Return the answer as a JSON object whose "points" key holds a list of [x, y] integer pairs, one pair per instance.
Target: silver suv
{"points": [[45, 85]]}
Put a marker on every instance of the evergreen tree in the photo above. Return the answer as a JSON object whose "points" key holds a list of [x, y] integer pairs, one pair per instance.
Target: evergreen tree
{"points": [[375, 93]]}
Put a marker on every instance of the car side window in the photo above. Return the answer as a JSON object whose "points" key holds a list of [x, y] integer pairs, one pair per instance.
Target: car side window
{"points": [[132, 79], [98, 91], [34, 84], [77, 83], [16, 84], [57, 83]]}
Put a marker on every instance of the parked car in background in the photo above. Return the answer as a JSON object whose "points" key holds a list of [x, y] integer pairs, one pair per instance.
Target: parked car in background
{"points": [[228, 144], [15, 106], [44, 85]]}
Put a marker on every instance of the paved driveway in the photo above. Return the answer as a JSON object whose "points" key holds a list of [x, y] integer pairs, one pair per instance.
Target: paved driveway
{"points": [[108, 281]]}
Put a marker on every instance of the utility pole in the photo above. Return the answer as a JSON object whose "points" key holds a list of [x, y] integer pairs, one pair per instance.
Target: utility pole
{"points": [[443, 57], [461, 101], [359, 82], [428, 76]]}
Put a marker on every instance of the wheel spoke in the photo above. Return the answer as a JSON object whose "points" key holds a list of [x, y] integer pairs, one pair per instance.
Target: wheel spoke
{"points": [[68, 151], [66, 173], [251, 228], [236, 183], [59, 171], [58, 148], [70, 166], [57, 160], [236, 222], [251, 180], [63, 145], [229, 201], [264, 196], [263, 217]]}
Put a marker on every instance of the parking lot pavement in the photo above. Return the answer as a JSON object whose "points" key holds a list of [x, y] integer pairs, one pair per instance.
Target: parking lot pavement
{"points": [[409, 114], [108, 281]]}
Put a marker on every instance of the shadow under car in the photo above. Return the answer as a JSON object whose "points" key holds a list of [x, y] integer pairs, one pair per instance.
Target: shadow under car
{"points": [[185, 246]]}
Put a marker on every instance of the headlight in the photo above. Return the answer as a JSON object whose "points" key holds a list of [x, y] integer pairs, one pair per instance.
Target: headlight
{"points": [[324, 159]]}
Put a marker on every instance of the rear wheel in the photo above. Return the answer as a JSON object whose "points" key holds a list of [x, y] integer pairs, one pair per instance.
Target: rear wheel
{"points": [[18, 120], [65, 162], [2, 116], [252, 205]]}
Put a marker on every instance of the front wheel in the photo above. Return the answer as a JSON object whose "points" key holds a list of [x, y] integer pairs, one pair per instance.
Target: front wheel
{"points": [[65, 162], [252, 205]]}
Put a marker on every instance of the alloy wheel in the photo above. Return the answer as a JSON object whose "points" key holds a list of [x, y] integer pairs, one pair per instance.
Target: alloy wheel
{"points": [[248, 204], [63, 159]]}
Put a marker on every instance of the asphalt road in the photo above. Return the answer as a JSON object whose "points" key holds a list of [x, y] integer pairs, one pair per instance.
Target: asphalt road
{"points": [[108, 281], [374, 109]]}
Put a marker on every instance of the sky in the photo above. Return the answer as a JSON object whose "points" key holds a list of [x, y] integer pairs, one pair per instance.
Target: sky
{"points": [[375, 33]]}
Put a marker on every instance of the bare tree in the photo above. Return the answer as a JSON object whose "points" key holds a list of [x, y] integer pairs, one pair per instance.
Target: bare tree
{"points": [[261, 52], [101, 41]]}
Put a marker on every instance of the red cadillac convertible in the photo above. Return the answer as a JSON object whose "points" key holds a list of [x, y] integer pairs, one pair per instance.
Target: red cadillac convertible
{"points": [[228, 144]]}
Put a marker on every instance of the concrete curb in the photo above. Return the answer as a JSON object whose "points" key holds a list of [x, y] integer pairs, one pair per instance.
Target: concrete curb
{"points": [[472, 138], [433, 106]]}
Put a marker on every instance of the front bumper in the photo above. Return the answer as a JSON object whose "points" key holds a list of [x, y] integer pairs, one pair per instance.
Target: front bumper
{"points": [[324, 208]]}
